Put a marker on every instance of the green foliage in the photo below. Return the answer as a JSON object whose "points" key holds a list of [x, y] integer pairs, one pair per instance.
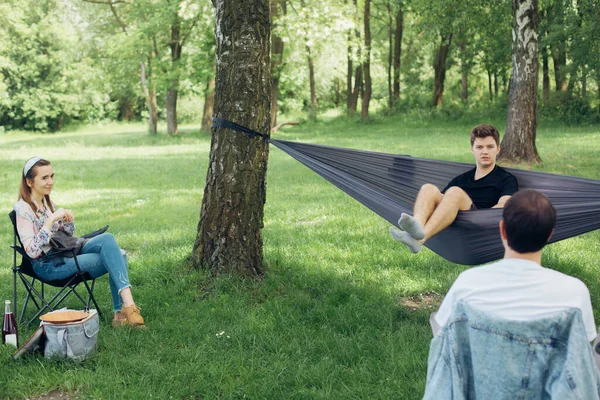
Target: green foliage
{"points": [[568, 109], [74, 62], [47, 80]]}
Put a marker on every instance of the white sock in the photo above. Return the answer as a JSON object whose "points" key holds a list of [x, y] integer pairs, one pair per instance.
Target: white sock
{"points": [[412, 226], [406, 239]]}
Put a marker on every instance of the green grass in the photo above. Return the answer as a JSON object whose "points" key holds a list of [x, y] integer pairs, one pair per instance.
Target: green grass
{"points": [[327, 321]]}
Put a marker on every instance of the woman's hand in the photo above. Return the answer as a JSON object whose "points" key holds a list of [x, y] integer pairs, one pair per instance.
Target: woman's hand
{"points": [[69, 216]]}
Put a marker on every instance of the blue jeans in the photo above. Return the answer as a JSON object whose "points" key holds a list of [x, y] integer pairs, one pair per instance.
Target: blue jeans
{"points": [[98, 256]]}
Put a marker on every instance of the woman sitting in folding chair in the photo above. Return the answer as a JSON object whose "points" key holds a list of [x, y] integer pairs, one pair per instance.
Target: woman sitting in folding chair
{"points": [[38, 219]]}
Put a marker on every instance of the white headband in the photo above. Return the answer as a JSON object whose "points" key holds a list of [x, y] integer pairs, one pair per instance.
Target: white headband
{"points": [[29, 164]]}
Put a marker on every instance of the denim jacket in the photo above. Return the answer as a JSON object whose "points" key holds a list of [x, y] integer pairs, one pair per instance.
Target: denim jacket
{"points": [[478, 356]]}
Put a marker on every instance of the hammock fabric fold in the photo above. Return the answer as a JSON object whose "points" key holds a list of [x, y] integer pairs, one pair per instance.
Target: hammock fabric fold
{"points": [[388, 184]]}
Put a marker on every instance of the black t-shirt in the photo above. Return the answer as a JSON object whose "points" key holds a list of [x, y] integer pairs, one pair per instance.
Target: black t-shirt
{"points": [[486, 192]]}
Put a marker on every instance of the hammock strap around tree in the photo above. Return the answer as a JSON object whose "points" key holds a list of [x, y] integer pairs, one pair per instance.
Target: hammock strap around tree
{"points": [[388, 185]]}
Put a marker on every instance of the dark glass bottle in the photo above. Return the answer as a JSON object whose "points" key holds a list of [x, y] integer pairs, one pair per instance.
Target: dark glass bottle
{"points": [[9, 326]]}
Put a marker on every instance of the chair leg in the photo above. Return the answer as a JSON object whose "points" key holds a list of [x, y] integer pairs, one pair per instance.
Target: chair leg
{"points": [[91, 296]]}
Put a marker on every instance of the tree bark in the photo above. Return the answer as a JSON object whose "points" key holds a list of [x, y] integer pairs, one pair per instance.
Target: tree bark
{"points": [[311, 79], [439, 67], [545, 78], [353, 96], [364, 111], [276, 58], [349, 74], [173, 89], [489, 74], [496, 84], [518, 144], [229, 237], [398, 52], [598, 86], [559, 56], [464, 71], [171, 103], [150, 95], [209, 104], [584, 73], [390, 64], [357, 89], [572, 78]]}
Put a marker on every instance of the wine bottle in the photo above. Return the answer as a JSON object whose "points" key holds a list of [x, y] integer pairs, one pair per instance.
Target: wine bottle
{"points": [[9, 326]]}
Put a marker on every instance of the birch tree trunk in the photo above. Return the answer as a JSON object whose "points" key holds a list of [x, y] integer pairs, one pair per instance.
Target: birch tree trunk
{"points": [[364, 111], [518, 144], [150, 95], [229, 237], [311, 80], [353, 100]]}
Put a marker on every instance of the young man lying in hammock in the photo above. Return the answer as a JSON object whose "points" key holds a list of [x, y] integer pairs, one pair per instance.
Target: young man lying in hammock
{"points": [[485, 186]]}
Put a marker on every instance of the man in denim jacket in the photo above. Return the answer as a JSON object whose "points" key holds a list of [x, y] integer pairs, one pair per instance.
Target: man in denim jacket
{"points": [[510, 328]]}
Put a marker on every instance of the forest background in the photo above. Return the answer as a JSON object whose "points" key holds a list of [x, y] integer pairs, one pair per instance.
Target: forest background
{"points": [[73, 62]]}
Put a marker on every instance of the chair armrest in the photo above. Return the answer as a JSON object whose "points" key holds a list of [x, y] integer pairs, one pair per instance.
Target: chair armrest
{"points": [[95, 233], [24, 254]]}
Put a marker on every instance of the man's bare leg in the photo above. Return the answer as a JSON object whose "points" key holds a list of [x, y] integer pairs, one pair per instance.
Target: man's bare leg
{"points": [[454, 200], [428, 199], [412, 228], [436, 209]]}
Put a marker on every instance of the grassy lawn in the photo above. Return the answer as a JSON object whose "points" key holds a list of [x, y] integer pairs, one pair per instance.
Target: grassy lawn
{"points": [[340, 312]]}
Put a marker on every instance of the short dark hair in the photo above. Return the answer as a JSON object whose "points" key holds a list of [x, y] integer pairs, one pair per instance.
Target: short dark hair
{"points": [[529, 219], [483, 131]]}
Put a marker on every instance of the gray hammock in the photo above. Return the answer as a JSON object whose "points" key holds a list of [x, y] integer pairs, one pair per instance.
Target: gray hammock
{"points": [[388, 185]]}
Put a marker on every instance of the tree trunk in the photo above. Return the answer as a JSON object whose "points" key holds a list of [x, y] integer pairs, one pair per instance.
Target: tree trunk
{"points": [[356, 91], [311, 78], [439, 67], [518, 144], [572, 79], [398, 52], [464, 70], [598, 86], [545, 78], [489, 73], [584, 73], [150, 95], [209, 104], [126, 108], [173, 89], [496, 84], [229, 237], [349, 73], [364, 111], [276, 58], [171, 104], [353, 100], [390, 55], [559, 56]]}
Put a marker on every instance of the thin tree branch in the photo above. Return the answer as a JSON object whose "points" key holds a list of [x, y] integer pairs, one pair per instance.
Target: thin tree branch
{"points": [[190, 30]]}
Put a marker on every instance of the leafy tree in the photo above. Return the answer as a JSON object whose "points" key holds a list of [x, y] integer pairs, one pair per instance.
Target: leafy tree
{"points": [[46, 80]]}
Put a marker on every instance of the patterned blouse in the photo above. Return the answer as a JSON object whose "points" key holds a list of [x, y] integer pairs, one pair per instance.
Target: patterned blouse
{"points": [[30, 225]]}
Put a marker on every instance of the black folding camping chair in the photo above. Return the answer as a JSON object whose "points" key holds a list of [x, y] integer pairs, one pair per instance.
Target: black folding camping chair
{"points": [[66, 287]]}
